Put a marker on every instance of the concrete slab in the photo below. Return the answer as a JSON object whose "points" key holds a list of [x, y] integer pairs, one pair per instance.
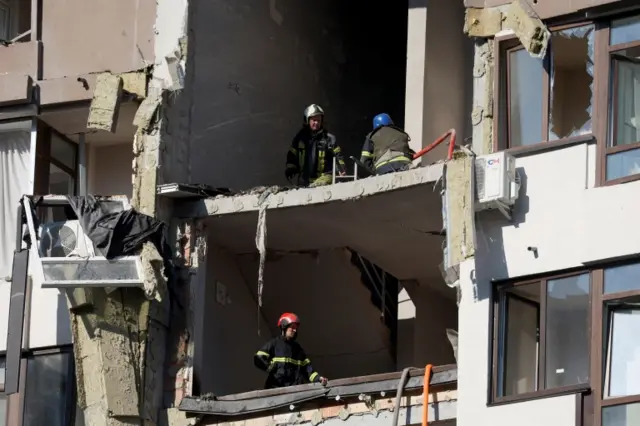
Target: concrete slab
{"points": [[392, 220]]}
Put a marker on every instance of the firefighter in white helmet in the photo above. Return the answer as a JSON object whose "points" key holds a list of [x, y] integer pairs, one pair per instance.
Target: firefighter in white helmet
{"points": [[312, 151]]}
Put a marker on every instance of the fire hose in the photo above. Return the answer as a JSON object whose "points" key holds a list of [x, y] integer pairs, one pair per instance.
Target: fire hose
{"points": [[425, 392]]}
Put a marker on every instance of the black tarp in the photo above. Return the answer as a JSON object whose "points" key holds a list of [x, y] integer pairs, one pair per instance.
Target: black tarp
{"points": [[115, 231]]}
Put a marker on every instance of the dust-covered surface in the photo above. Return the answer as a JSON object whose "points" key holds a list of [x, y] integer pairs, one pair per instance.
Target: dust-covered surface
{"points": [[103, 112]]}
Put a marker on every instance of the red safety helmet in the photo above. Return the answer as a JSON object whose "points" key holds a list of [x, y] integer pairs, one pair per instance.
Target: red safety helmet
{"points": [[287, 319]]}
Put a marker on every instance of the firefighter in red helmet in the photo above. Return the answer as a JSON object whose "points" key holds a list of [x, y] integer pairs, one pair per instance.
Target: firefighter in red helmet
{"points": [[283, 358]]}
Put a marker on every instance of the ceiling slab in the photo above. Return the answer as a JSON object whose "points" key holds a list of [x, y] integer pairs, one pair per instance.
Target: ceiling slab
{"points": [[72, 120], [396, 227]]}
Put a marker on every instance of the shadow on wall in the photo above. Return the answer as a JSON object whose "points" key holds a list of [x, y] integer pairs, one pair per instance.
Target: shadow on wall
{"points": [[491, 261], [260, 63], [341, 329]]}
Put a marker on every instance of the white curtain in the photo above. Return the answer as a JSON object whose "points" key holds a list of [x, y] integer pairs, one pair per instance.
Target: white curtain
{"points": [[15, 174], [628, 120], [628, 126]]}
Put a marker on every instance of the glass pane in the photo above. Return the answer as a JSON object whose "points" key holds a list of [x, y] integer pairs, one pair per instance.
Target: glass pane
{"points": [[60, 182], [625, 30], [90, 270], [525, 99], [571, 94], [521, 340], [622, 278], [623, 361], [3, 410], [49, 387], [567, 331], [621, 415], [63, 151], [624, 118], [622, 164]]}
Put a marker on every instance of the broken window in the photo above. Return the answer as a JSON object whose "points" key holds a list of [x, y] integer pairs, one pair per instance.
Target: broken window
{"points": [[65, 257], [542, 335], [550, 99], [621, 389], [623, 149], [15, 20], [571, 82]]}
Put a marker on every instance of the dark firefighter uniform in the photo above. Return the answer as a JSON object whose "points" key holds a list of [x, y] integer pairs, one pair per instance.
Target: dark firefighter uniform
{"points": [[286, 364], [311, 156], [386, 150]]}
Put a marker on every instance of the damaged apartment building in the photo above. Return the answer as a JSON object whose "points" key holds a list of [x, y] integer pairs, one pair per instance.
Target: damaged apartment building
{"points": [[151, 240]]}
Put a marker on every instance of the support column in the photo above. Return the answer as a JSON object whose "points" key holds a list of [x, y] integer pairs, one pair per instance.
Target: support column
{"points": [[414, 108]]}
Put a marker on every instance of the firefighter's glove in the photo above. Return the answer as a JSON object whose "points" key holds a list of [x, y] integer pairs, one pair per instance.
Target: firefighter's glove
{"points": [[323, 380]]}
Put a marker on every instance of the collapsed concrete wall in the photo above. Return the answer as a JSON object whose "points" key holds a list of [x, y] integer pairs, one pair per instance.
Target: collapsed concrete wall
{"points": [[260, 63], [121, 337]]}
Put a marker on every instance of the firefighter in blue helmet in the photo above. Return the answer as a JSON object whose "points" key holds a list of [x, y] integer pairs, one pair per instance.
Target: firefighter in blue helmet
{"points": [[386, 148], [283, 358], [312, 151]]}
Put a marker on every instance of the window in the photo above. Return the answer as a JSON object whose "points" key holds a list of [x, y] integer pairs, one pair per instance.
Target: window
{"points": [[542, 336], [546, 99], [623, 147], [621, 346], [50, 390], [15, 20], [56, 167], [47, 393]]}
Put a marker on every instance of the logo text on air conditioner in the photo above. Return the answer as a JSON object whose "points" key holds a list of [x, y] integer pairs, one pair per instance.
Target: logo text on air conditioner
{"points": [[493, 161]]}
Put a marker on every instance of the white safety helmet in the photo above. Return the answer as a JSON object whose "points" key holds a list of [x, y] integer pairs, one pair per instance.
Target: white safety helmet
{"points": [[311, 111]]}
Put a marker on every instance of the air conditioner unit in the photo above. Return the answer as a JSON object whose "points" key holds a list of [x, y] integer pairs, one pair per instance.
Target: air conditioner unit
{"points": [[497, 183], [64, 239]]}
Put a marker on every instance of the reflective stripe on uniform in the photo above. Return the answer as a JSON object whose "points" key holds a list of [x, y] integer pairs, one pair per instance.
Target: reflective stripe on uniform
{"points": [[291, 361], [301, 154], [366, 154], [313, 376], [261, 353], [401, 159], [291, 166], [321, 161]]}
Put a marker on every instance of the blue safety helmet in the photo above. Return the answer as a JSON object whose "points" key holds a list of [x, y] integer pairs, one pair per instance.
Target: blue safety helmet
{"points": [[382, 120]]}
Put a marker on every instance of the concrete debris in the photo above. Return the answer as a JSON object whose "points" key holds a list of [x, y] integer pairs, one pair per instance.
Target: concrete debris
{"points": [[518, 17], [176, 67], [154, 280], [135, 83], [482, 22], [146, 111], [460, 208], [105, 105], [452, 336], [527, 26], [316, 418], [261, 245]]}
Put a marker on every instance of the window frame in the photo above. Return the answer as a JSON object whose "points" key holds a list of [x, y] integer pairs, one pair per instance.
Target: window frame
{"points": [[508, 43], [44, 160], [590, 397], [17, 404], [496, 339], [603, 98], [600, 337], [607, 98]]}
